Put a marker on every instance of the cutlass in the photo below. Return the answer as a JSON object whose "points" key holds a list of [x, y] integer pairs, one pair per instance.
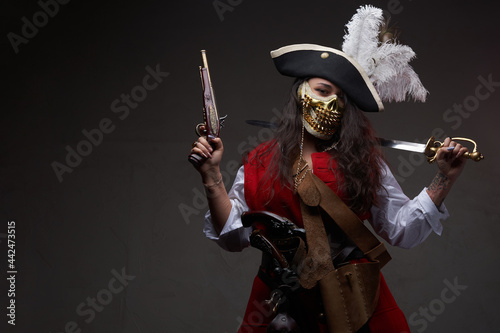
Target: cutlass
{"points": [[430, 148]]}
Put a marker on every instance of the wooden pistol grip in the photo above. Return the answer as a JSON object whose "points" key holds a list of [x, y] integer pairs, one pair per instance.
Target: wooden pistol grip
{"points": [[195, 159]]}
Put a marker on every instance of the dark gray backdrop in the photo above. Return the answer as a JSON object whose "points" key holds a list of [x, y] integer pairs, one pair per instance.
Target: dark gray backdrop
{"points": [[131, 208]]}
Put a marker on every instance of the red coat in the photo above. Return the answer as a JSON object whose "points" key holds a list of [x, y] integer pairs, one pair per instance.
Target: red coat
{"points": [[387, 318]]}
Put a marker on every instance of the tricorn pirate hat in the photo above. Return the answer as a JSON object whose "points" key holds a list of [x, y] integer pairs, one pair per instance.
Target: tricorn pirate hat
{"points": [[369, 69], [310, 60]]}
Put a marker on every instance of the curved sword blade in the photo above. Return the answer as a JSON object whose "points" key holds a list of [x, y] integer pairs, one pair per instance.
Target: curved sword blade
{"points": [[402, 145]]}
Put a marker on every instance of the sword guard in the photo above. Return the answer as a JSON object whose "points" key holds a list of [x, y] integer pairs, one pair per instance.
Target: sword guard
{"points": [[433, 146]]}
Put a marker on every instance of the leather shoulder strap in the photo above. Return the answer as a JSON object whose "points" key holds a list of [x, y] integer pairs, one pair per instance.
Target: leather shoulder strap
{"points": [[314, 192]]}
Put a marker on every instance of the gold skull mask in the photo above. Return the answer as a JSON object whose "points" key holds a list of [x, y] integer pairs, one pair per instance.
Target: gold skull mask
{"points": [[322, 114]]}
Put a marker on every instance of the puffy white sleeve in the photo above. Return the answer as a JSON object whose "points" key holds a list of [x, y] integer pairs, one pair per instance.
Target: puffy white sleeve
{"points": [[233, 237], [403, 222]]}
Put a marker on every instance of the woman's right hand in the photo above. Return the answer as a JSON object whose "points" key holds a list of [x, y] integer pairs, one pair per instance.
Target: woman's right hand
{"points": [[209, 169], [211, 155]]}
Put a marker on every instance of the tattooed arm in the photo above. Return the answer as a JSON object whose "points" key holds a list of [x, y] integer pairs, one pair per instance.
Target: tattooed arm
{"points": [[450, 165]]}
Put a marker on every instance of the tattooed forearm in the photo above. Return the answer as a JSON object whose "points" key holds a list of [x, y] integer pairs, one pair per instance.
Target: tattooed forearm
{"points": [[439, 183], [439, 188]]}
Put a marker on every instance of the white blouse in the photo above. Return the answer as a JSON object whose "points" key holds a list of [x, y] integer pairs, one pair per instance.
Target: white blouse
{"points": [[397, 219]]}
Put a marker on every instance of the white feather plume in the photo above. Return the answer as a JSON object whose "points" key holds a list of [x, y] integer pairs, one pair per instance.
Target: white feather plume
{"points": [[393, 77], [385, 63], [362, 41]]}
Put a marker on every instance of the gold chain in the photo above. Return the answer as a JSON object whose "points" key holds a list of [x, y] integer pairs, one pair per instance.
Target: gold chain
{"points": [[296, 179], [332, 146], [305, 167]]}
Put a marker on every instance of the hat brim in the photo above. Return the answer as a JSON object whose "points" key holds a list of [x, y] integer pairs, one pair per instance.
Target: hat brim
{"points": [[310, 60]]}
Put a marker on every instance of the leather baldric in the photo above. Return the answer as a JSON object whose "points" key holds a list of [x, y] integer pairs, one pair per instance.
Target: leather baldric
{"points": [[349, 293]]}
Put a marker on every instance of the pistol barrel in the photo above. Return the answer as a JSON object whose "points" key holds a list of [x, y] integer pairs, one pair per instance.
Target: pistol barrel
{"points": [[204, 58]]}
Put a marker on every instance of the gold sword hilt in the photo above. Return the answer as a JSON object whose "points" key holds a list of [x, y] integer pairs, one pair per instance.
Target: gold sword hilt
{"points": [[433, 146]]}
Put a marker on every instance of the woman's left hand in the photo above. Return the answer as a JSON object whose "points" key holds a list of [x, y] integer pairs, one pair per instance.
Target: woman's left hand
{"points": [[451, 162]]}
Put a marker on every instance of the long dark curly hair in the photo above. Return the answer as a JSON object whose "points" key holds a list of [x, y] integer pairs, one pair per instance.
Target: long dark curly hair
{"points": [[357, 155]]}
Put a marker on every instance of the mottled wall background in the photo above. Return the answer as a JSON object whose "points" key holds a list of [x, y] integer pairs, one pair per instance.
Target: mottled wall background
{"points": [[115, 243]]}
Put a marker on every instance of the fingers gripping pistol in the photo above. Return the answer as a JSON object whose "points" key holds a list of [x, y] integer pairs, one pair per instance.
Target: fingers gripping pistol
{"points": [[212, 123]]}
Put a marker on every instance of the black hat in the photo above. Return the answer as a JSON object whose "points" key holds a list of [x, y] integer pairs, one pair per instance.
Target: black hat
{"points": [[310, 60]]}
